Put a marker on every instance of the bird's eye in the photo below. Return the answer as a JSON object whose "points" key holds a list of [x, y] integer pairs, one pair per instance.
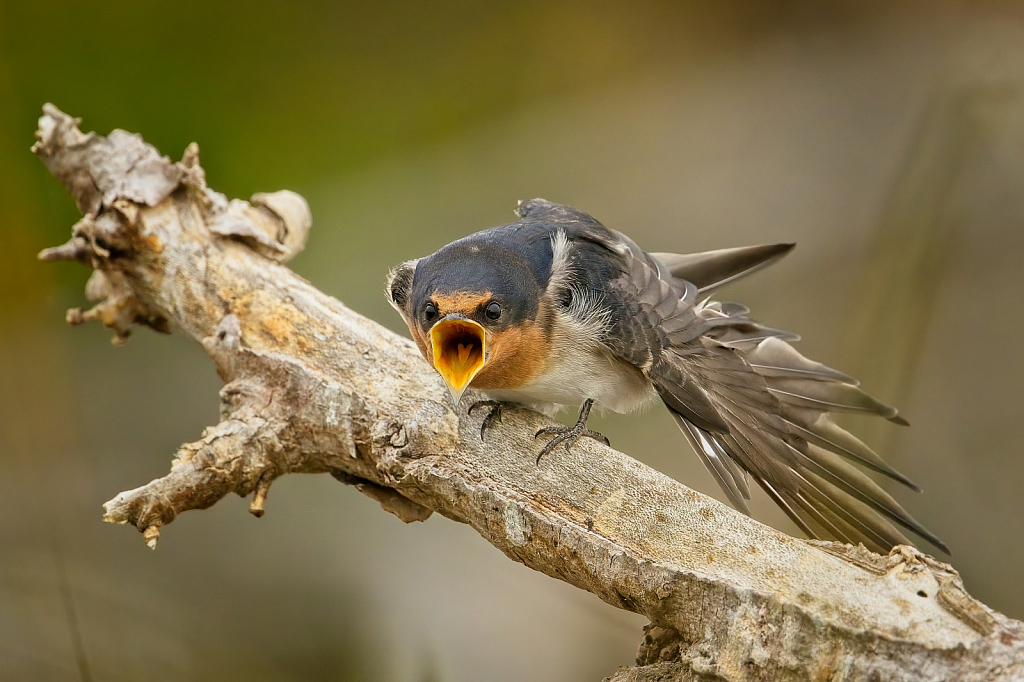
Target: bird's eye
{"points": [[493, 310], [430, 311]]}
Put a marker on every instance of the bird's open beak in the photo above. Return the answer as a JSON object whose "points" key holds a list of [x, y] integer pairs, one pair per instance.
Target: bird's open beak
{"points": [[458, 352]]}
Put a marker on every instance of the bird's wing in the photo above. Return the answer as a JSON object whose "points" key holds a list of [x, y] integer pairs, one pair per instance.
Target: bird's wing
{"points": [[777, 403], [747, 401], [750, 404], [711, 269]]}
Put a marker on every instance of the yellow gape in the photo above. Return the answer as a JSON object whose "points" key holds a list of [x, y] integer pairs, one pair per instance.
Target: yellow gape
{"points": [[458, 353]]}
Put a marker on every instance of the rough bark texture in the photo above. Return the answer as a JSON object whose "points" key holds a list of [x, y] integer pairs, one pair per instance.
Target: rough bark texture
{"points": [[312, 387]]}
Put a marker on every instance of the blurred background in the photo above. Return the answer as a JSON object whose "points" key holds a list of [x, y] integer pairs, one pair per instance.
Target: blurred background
{"points": [[887, 139]]}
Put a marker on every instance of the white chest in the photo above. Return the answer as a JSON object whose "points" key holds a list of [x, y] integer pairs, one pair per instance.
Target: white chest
{"points": [[578, 370]]}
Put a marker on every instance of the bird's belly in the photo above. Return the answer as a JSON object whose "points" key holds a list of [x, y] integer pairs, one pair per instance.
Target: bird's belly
{"points": [[611, 383]]}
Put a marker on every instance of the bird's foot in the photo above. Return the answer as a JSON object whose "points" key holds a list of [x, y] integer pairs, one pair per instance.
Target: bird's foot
{"points": [[493, 416], [567, 435]]}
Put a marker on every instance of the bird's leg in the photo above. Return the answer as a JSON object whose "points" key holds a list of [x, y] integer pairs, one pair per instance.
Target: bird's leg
{"points": [[493, 416], [564, 434]]}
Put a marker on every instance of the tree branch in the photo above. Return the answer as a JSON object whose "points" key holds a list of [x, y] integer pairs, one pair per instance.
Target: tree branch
{"points": [[312, 387]]}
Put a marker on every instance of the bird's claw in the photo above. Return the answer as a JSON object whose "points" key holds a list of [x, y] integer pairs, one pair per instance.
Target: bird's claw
{"points": [[568, 436], [493, 416]]}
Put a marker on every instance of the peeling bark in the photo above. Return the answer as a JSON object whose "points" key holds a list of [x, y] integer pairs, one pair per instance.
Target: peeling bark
{"points": [[312, 387]]}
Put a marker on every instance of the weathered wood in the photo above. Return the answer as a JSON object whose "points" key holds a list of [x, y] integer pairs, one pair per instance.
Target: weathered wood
{"points": [[312, 387]]}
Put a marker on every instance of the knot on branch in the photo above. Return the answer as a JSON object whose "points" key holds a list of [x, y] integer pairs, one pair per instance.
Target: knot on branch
{"points": [[223, 347], [95, 242], [932, 579], [95, 238], [389, 500], [660, 645], [950, 592]]}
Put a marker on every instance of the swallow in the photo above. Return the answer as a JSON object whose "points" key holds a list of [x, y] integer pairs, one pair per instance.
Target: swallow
{"points": [[556, 310]]}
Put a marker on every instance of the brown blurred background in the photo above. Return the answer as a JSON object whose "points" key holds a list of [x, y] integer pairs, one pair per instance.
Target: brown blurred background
{"points": [[887, 139]]}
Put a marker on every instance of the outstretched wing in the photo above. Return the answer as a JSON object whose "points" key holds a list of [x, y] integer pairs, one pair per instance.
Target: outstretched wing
{"points": [[747, 401], [777, 405]]}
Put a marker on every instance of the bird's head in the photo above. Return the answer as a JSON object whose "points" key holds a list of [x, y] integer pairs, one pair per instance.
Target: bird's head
{"points": [[476, 312]]}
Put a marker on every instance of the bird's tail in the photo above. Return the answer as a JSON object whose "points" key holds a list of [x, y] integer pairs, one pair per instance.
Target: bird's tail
{"points": [[776, 405]]}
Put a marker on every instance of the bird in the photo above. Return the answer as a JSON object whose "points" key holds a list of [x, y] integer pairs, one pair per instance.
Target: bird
{"points": [[557, 310]]}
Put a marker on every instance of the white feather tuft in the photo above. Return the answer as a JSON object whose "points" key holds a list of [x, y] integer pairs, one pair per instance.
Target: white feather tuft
{"points": [[586, 309]]}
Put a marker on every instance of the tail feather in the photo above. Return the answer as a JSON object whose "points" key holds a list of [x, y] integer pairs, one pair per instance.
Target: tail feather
{"points": [[828, 511], [785, 503], [775, 358]]}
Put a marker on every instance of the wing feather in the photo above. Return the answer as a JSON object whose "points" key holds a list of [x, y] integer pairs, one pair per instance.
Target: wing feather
{"points": [[712, 269], [820, 488], [825, 433], [747, 402], [715, 462]]}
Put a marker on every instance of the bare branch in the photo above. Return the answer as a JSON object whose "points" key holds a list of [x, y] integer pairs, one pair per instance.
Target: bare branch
{"points": [[311, 387]]}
